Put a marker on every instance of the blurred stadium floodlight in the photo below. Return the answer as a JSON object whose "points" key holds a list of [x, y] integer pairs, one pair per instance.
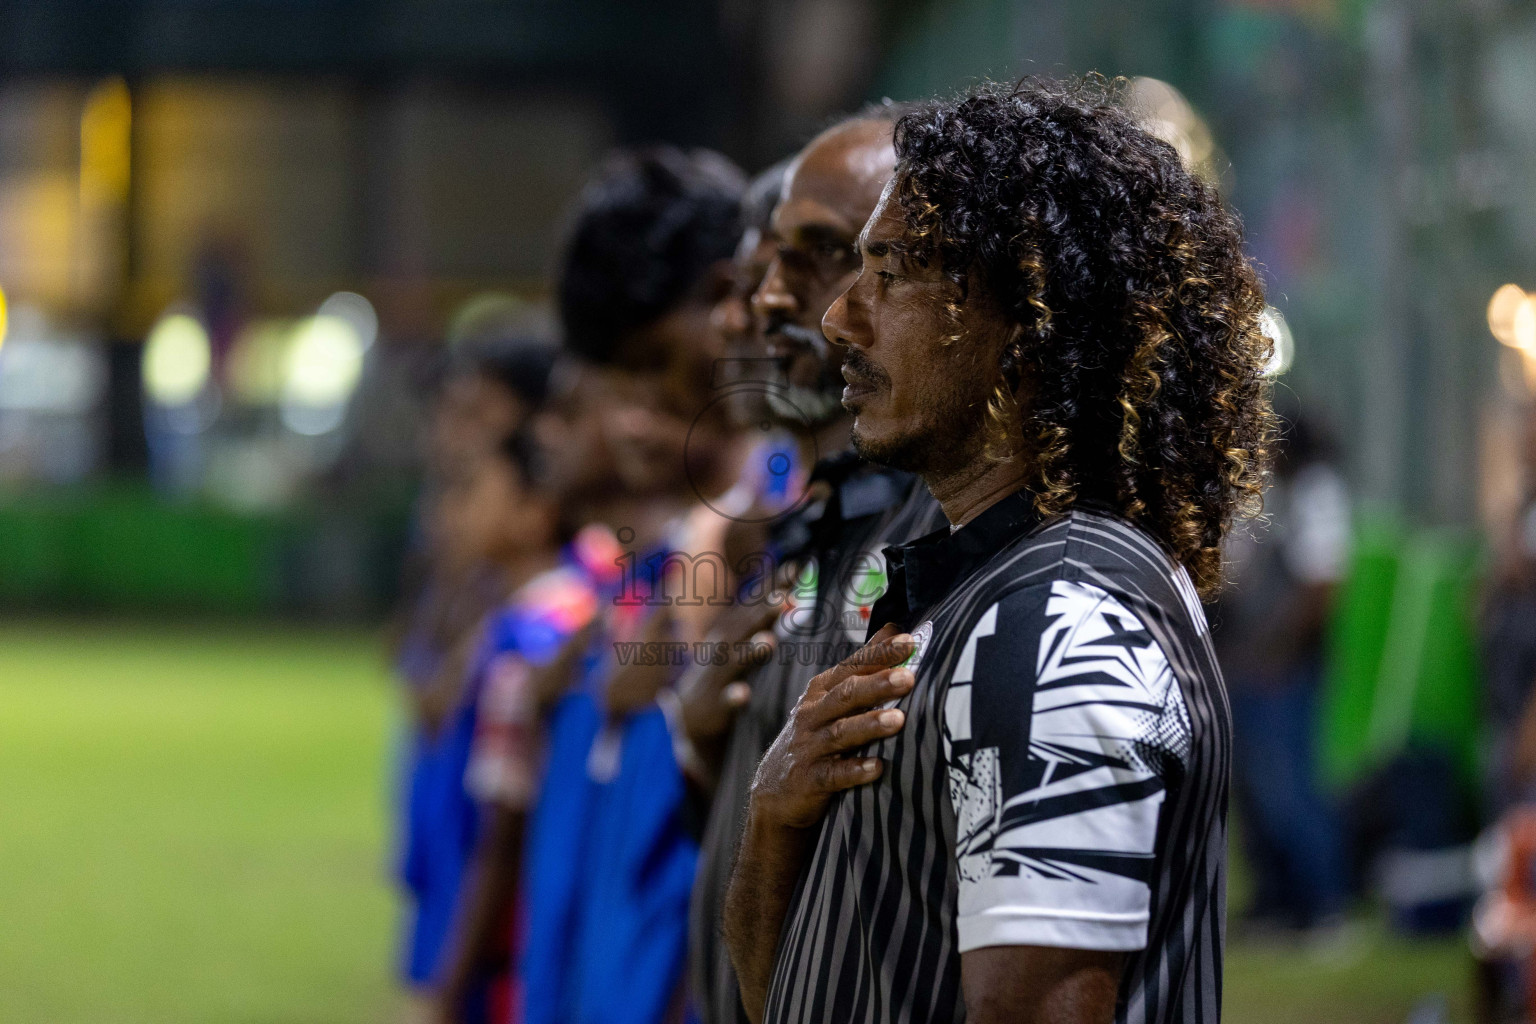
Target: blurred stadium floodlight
{"points": [[357, 311], [1168, 115], [324, 363], [3, 316], [257, 359], [177, 360], [1525, 325], [1272, 323], [1512, 320], [1502, 308]]}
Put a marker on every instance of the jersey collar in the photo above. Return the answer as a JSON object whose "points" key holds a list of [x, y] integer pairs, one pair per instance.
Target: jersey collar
{"points": [[924, 571]]}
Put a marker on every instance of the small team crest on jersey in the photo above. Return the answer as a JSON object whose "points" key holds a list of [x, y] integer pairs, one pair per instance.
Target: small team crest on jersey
{"points": [[864, 584], [799, 617], [920, 638]]}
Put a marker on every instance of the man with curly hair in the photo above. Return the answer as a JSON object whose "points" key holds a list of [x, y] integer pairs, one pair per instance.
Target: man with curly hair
{"points": [[1011, 805]]}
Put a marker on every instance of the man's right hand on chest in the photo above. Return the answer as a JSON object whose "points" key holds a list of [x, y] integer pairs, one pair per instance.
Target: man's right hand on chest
{"points": [[840, 712]]}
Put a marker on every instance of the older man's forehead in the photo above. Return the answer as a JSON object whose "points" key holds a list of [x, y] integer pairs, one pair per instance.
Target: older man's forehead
{"points": [[797, 215], [835, 178]]}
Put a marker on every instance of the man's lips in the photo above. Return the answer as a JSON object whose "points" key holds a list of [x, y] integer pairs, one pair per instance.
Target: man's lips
{"points": [[857, 384]]}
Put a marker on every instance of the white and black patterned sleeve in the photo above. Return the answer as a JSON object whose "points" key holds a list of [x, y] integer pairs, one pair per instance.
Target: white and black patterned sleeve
{"points": [[1063, 723]]}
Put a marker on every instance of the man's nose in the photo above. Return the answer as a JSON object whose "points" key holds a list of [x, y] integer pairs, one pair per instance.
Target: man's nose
{"points": [[835, 325], [773, 297]]}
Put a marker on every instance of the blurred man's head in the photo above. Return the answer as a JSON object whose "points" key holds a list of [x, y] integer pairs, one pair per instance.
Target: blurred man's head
{"points": [[572, 459], [829, 192], [648, 259], [738, 324], [1044, 281], [493, 510], [734, 317], [488, 392]]}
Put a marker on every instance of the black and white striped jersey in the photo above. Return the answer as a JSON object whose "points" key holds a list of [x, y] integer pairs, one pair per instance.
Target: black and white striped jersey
{"points": [[1061, 781]]}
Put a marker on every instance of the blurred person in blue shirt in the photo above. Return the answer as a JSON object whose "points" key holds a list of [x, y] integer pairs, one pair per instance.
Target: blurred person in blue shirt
{"points": [[499, 518], [531, 649], [487, 393], [486, 396], [465, 571], [610, 854]]}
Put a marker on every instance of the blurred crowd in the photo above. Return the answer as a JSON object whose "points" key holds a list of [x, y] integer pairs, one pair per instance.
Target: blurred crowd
{"points": [[637, 542]]}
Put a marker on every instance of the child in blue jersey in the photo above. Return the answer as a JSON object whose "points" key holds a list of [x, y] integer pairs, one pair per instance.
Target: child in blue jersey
{"points": [[456, 950], [489, 390]]}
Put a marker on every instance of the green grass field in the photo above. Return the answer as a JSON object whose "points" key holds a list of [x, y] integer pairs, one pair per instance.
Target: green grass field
{"points": [[193, 826], [193, 831]]}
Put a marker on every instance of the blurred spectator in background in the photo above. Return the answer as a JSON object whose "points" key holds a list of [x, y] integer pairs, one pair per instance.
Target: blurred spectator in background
{"points": [[523, 648], [488, 394], [481, 528], [609, 857], [1509, 652], [1504, 921], [1269, 635]]}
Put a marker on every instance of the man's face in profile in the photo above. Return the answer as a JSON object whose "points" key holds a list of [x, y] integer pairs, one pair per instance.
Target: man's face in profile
{"points": [[828, 194], [571, 450], [733, 316], [917, 379], [741, 328]]}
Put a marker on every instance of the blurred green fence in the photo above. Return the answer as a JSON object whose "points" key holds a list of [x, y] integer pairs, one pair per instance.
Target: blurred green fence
{"points": [[1403, 667], [124, 548]]}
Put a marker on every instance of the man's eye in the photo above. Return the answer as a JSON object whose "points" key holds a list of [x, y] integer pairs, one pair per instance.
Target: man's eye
{"points": [[885, 275], [793, 258]]}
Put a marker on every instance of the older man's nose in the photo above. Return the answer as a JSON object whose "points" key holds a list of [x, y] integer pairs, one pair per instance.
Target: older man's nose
{"points": [[773, 296]]}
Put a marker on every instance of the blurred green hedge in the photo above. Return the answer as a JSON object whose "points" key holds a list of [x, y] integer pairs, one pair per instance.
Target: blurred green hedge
{"points": [[1402, 665], [123, 547]]}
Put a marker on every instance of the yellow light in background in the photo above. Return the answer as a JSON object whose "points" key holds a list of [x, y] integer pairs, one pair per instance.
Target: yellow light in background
{"points": [[257, 361], [1523, 325], [105, 132], [4, 320], [324, 364], [1501, 312], [1168, 115], [177, 359]]}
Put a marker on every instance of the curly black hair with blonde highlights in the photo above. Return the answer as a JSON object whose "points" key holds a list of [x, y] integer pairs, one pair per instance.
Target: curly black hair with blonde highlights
{"points": [[1140, 355]]}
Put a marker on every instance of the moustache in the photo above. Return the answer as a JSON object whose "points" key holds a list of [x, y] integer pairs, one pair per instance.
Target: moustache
{"points": [[858, 366], [807, 337]]}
